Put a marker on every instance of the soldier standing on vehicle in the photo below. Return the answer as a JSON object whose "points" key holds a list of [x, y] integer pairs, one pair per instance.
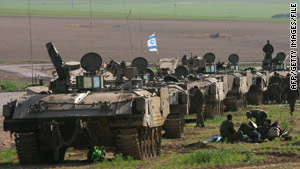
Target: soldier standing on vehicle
{"points": [[292, 96], [227, 131], [259, 115], [268, 49], [199, 102]]}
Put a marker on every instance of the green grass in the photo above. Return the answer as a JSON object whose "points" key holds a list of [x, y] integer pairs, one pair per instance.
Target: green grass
{"points": [[8, 156], [22, 62], [13, 86], [220, 154], [118, 162], [153, 69], [212, 158], [205, 10]]}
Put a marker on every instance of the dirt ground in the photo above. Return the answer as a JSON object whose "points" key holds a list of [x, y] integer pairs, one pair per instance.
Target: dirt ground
{"points": [[110, 38]]}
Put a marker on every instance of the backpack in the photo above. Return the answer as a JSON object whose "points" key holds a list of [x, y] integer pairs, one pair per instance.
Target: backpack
{"points": [[273, 132]]}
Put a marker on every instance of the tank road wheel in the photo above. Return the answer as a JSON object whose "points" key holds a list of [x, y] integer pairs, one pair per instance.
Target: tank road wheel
{"points": [[174, 126], [139, 144], [27, 148]]}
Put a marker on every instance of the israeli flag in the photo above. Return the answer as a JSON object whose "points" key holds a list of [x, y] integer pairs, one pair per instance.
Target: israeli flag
{"points": [[152, 43]]}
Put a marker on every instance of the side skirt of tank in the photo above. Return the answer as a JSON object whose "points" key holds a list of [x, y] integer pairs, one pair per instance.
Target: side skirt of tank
{"points": [[213, 109], [255, 97], [235, 102], [175, 121]]}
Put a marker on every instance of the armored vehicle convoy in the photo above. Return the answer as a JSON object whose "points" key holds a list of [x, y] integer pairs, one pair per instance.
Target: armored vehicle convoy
{"points": [[85, 114]]}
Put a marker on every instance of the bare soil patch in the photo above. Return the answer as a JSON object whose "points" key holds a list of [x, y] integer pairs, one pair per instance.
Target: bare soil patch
{"points": [[110, 38]]}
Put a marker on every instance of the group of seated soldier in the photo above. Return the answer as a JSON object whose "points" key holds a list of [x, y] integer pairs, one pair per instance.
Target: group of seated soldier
{"points": [[255, 132]]}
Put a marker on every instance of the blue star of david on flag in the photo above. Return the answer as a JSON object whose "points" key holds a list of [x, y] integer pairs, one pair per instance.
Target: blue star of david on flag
{"points": [[152, 46]]}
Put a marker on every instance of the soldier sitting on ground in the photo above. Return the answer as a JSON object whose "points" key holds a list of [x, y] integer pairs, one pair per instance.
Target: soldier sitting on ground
{"points": [[227, 131], [259, 115], [257, 134]]}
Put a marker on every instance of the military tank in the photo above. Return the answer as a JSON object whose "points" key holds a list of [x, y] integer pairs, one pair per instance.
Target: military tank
{"points": [[201, 72], [85, 114], [260, 83], [278, 73], [241, 81], [177, 92]]}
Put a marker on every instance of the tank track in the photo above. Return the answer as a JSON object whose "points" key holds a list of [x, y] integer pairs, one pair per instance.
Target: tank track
{"points": [[174, 126], [139, 144], [27, 148], [29, 152]]}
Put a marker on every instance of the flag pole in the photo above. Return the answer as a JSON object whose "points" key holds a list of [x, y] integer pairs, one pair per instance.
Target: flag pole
{"points": [[157, 55]]}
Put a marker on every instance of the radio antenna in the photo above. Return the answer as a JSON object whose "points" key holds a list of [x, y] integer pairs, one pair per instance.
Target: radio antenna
{"points": [[127, 16], [141, 31], [175, 12], [91, 24], [30, 39]]}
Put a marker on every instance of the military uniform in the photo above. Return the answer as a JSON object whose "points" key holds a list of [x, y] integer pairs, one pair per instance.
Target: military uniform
{"points": [[227, 132], [268, 49], [263, 130], [246, 129], [199, 102], [260, 116], [292, 96]]}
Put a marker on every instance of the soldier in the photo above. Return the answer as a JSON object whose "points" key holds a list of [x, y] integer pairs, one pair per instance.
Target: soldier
{"points": [[184, 60], [263, 130], [199, 100], [246, 129], [259, 115], [286, 81], [268, 49], [227, 131], [292, 96], [256, 133]]}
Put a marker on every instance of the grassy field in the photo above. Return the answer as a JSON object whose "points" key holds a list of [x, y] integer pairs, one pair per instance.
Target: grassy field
{"points": [[176, 154], [13, 86], [203, 9]]}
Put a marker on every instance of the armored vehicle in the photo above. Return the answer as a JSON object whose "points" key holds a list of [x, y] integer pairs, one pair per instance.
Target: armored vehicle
{"points": [[277, 77], [85, 114], [241, 81], [260, 83], [177, 93], [201, 72], [168, 65]]}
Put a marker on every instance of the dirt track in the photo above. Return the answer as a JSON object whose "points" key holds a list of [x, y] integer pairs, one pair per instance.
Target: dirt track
{"points": [[72, 38]]}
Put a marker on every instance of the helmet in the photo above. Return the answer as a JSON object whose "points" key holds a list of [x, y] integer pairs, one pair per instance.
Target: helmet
{"points": [[249, 115]]}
